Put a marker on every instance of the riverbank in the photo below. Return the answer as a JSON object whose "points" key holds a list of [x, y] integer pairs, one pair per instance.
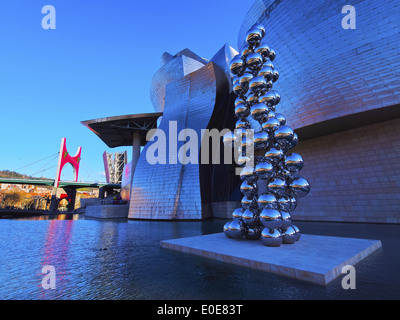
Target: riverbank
{"points": [[23, 213]]}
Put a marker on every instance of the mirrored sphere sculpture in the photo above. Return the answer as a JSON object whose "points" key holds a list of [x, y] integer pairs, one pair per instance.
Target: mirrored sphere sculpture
{"points": [[271, 185], [237, 214], [271, 237], [226, 230], [300, 187], [271, 218], [293, 162], [264, 170], [237, 66], [289, 235], [253, 233], [242, 110], [236, 229], [254, 36], [267, 201]]}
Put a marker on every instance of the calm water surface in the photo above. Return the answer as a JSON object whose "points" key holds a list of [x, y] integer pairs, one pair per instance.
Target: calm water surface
{"points": [[122, 259]]}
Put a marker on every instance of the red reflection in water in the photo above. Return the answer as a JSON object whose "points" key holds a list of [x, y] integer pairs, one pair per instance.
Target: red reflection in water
{"points": [[55, 253]]}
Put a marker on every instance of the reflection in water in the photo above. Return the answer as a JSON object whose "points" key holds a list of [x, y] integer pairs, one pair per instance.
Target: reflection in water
{"points": [[121, 259], [58, 216], [55, 252]]}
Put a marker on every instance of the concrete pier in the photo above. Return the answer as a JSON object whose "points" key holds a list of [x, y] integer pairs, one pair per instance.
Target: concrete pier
{"points": [[314, 258]]}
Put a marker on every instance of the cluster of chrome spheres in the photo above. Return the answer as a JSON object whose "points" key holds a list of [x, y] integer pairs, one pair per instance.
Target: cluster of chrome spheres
{"points": [[268, 215]]}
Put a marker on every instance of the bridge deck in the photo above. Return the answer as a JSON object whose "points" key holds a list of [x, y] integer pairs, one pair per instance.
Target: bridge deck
{"points": [[63, 184]]}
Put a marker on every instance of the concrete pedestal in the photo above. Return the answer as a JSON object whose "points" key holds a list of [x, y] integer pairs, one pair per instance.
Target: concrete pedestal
{"points": [[316, 259], [107, 211]]}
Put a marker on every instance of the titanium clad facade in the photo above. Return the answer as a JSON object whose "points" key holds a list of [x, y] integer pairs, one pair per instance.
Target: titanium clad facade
{"points": [[173, 190], [327, 72], [174, 67], [341, 93]]}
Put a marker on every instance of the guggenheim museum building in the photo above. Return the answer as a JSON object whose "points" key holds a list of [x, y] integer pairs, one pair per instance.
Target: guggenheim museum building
{"points": [[340, 92]]}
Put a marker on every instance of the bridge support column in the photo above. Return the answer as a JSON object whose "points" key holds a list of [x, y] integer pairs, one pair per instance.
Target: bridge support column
{"points": [[105, 192], [135, 153], [102, 193], [72, 194], [54, 201]]}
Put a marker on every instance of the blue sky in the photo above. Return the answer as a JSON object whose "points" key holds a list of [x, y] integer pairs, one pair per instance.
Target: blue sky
{"points": [[98, 62]]}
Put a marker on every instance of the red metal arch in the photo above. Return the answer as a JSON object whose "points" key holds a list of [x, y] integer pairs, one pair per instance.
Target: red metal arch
{"points": [[65, 158]]}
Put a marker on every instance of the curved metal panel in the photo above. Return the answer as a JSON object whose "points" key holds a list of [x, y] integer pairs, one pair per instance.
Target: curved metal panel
{"points": [[172, 191], [328, 72], [182, 64]]}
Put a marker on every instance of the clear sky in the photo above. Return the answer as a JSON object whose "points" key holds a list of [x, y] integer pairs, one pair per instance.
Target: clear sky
{"points": [[98, 62]]}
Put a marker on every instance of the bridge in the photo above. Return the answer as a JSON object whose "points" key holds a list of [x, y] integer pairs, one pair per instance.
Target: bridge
{"points": [[62, 184], [70, 187]]}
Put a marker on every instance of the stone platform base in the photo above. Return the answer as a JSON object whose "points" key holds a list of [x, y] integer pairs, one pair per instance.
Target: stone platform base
{"points": [[107, 211], [316, 259]]}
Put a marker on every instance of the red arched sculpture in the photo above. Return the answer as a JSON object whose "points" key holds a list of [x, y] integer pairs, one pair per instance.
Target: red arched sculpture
{"points": [[65, 158]]}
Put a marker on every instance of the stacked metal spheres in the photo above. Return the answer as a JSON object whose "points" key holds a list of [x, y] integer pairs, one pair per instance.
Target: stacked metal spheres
{"points": [[266, 215]]}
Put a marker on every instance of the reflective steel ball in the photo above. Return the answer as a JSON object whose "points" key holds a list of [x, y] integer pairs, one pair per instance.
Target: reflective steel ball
{"points": [[300, 187], [240, 100], [236, 229], [242, 124], [290, 235], [277, 97], [247, 188], [242, 110], [264, 170], [293, 162], [275, 75], [271, 124], [286, 219], [297, 232], [271, 238], [252, 233], [284, 203], [267, 72], [277, 186], [261, 28], [254, 61], [293, 203], [260, 140], [239, 90], [237, 66], [258, 85], [248, 174], [245, 79], [264, 50], [294, 142], [246, 51], [281, 118], [271, 114], [272, 55], [237, 214], [252, 98], [259, 111], [249, 202], [249, 218], [268, 98], [284, 134], [268, 64], [273, 154], [254, 37], [267, 201], [243, 160], [226, 230], [271, 218]]}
